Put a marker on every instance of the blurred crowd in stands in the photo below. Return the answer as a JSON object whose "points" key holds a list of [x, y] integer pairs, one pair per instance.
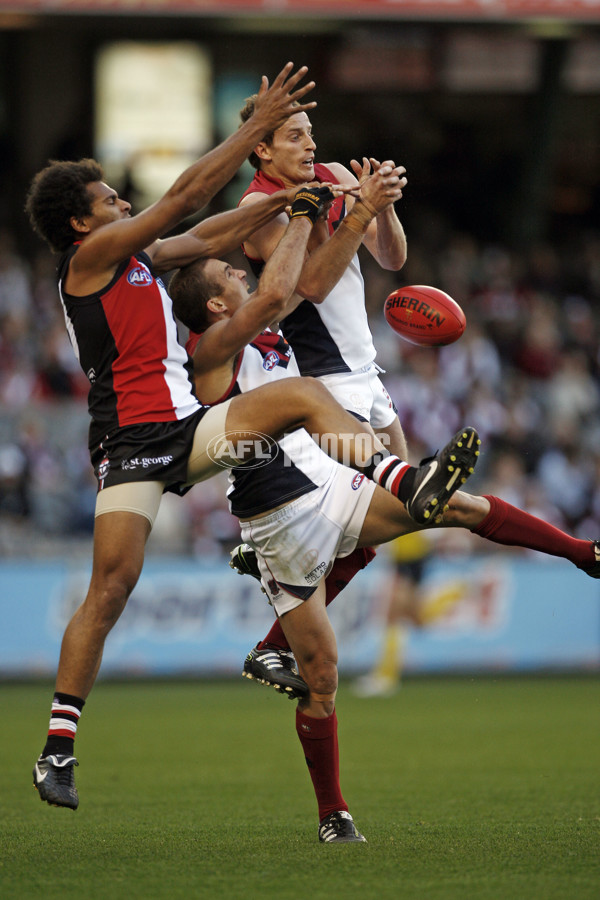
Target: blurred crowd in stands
{"points": [[526, 373]]}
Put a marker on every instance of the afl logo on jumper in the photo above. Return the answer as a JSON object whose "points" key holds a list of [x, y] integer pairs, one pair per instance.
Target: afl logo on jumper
{"points": [[270, 361], [139, 277], [357, 481]]}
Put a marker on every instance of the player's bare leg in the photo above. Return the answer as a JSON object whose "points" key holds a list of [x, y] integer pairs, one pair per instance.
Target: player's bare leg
{"points": [[392, 437], [277, 409], [119, 540], [312, 640]]}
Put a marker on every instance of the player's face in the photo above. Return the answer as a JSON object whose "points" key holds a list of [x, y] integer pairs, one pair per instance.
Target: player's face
{"points": [[292, 151], [234, 283], [107, 206]]}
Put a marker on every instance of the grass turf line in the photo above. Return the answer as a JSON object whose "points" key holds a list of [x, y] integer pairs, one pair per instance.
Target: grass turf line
{"points": [[465, 788]]}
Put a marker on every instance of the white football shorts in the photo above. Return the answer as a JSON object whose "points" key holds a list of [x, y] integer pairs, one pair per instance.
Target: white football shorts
{"points": [[361, 392], [297, 544]]}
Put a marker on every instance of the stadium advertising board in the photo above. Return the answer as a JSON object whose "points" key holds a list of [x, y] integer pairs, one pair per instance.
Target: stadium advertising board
{"points": [[507, 614], [490, 10]]}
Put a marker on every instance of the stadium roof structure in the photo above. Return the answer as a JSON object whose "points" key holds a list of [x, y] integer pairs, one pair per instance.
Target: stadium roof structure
{"points": [[451, 10]]}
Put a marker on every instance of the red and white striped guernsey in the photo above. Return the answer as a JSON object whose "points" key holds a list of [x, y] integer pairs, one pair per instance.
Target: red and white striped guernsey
{"points": [[125, 338]]}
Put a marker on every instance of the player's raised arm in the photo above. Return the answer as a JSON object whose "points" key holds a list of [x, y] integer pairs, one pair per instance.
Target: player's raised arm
{"points": [[106, 243], [219, 234], [384, 238], [229, 323], [327, 262]]}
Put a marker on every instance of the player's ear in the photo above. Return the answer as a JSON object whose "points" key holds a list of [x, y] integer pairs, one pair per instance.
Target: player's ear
{"points": [[263, 151], [79, 225], [216, 305]]}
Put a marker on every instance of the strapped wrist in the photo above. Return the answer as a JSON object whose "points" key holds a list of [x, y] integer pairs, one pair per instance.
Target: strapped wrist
{"points": [[360, 217]]}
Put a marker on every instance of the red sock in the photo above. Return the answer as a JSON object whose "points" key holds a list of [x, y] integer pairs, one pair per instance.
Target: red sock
{"points": [[320, 744], [506, 524], [275, 638], [343, 571]]}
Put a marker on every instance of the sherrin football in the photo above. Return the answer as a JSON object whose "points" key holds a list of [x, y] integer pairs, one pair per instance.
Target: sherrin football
{"points": [[424, 315]]}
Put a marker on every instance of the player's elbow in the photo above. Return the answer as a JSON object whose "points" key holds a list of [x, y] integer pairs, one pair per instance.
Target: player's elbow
{"points": [[311, 290], [186, 198], [393, 262], [315, 298], [274, 302], [181, 203]]}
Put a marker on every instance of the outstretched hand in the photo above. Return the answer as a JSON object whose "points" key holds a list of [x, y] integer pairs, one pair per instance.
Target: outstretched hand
{"points": [[380, 184], [361, 170], [281, 100]]}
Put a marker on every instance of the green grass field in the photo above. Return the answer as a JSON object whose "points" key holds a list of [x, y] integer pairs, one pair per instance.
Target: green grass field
{"points": [[465, 788]]}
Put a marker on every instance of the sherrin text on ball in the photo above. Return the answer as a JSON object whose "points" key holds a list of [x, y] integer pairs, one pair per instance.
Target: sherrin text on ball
{"points": [[424, 315]]}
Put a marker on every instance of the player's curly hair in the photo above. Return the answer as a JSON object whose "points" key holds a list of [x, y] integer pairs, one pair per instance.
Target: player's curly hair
{"points": [[246, 112], [56, 194], [190, 290]]}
